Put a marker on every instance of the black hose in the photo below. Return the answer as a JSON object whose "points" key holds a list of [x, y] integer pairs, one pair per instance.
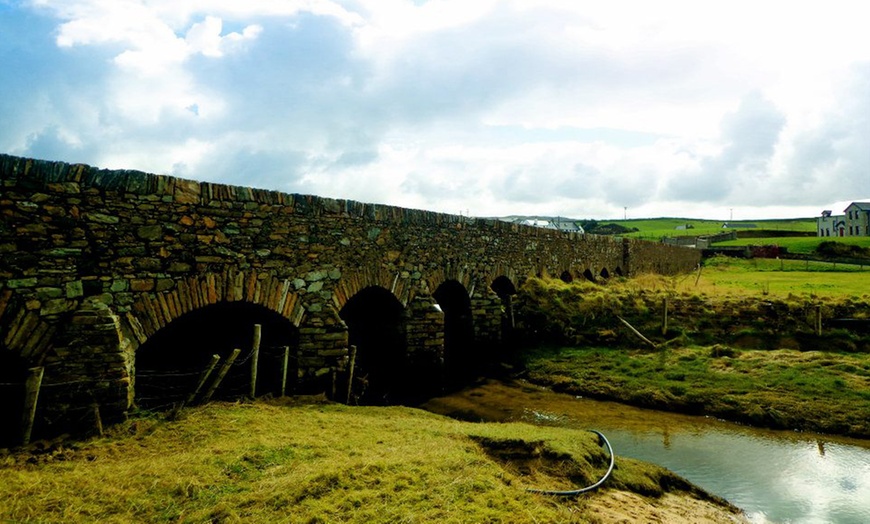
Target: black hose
{"points": [[574, 492]]}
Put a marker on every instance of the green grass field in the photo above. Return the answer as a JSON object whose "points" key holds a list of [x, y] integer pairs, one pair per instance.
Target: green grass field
{"points": [[800, 245], [779, 278], [656, 228]]}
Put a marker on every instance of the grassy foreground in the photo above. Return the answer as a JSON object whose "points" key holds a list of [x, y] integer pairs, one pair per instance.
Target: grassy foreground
{"points": [[272, 462]]}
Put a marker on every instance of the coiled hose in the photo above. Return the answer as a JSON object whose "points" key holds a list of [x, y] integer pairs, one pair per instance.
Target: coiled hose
{"points": [[573, 492]]}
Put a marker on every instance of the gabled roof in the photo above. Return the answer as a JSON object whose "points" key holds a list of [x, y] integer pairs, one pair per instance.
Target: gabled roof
{"points": [[863, 206]]}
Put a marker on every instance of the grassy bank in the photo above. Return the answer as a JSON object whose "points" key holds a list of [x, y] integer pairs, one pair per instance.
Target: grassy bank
{"points": [[271, 462], [826, 392], [729, 349]]}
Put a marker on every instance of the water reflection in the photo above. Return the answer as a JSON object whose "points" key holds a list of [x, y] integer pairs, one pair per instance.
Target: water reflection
{"points": [[775, 476]]}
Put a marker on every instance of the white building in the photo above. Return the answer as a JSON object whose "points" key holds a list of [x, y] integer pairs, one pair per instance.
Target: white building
{"points": [[854, 223]]}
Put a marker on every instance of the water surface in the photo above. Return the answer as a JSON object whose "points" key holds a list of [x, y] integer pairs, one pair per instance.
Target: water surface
{"points": [[775, 476]]}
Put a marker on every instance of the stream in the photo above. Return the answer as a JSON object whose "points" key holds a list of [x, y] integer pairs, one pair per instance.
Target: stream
{"points": [[774, 476]]}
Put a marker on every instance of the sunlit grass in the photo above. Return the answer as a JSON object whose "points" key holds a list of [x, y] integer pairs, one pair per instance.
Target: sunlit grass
{"points": [[656, 228], [800, 245], [264, 462], [778, 278]]}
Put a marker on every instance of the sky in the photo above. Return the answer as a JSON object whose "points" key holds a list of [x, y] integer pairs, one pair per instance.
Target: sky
{"points": [[586, 109]]}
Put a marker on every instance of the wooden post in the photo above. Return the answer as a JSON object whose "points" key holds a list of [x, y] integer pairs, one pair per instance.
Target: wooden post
{"points": [[205, 374], [31, 395], [665, 316], [350, 373], [638, 333], [98, 421], [221, 374], [284, 371], [255, 355], [818, 319]]}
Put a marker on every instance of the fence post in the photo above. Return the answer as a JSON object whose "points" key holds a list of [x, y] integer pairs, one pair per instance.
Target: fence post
{"points": [[284, 371], [205, 374], [350, 373], [818, 319], [98, 420], [255, 355], [31, 395], [221, 374], [665, 316]]}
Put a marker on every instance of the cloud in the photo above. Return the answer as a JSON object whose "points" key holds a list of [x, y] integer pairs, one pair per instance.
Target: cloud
{"points": [[749, 136], [498, 107]]}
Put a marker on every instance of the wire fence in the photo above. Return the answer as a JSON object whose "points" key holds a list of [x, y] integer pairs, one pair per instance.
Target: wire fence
{"points": [[72, 403]]}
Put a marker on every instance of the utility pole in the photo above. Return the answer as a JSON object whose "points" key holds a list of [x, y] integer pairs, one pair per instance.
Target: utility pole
{"points": [[625, 212]]}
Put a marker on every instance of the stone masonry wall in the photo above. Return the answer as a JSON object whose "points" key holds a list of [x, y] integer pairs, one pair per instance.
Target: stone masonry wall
{"points": [[144, 249]]}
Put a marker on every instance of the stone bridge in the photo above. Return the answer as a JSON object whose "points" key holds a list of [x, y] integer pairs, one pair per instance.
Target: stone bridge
{"points": [[122, 284]]}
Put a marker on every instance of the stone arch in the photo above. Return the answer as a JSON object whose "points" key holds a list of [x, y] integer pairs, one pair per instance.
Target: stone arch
{"points": [[604, 273], [587, 273], [452, 272], [25, 331], [618, 271], [460, 357], [169, 364], [566, 277], [377, 326], [353, 282], [154, 311]]}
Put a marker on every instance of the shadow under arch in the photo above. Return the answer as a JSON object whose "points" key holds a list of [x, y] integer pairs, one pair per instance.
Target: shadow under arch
{"points": [[506, 290], [377, 326], [170, 362], [13, 374], [461, 360], [604, 273], [566, 277]]}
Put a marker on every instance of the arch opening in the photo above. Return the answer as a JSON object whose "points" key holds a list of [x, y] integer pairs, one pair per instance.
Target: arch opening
{"points": [[604, 273], [170, 363], [503, 287], [376, 323], [618, 271], [460, 358], [13, 375], [588, 275], [566, 277], [506, 290]]}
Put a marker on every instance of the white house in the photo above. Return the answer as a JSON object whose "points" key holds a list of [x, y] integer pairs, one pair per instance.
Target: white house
{"points": [[854, 223]]}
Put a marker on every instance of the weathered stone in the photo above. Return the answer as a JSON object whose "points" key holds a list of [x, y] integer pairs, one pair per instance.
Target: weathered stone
{"points": [[102, 218], [142, 284], [56, 306], [164, 284], [44, 293], [179, 267], [152, 232], [74, 289], [21, 283]]}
